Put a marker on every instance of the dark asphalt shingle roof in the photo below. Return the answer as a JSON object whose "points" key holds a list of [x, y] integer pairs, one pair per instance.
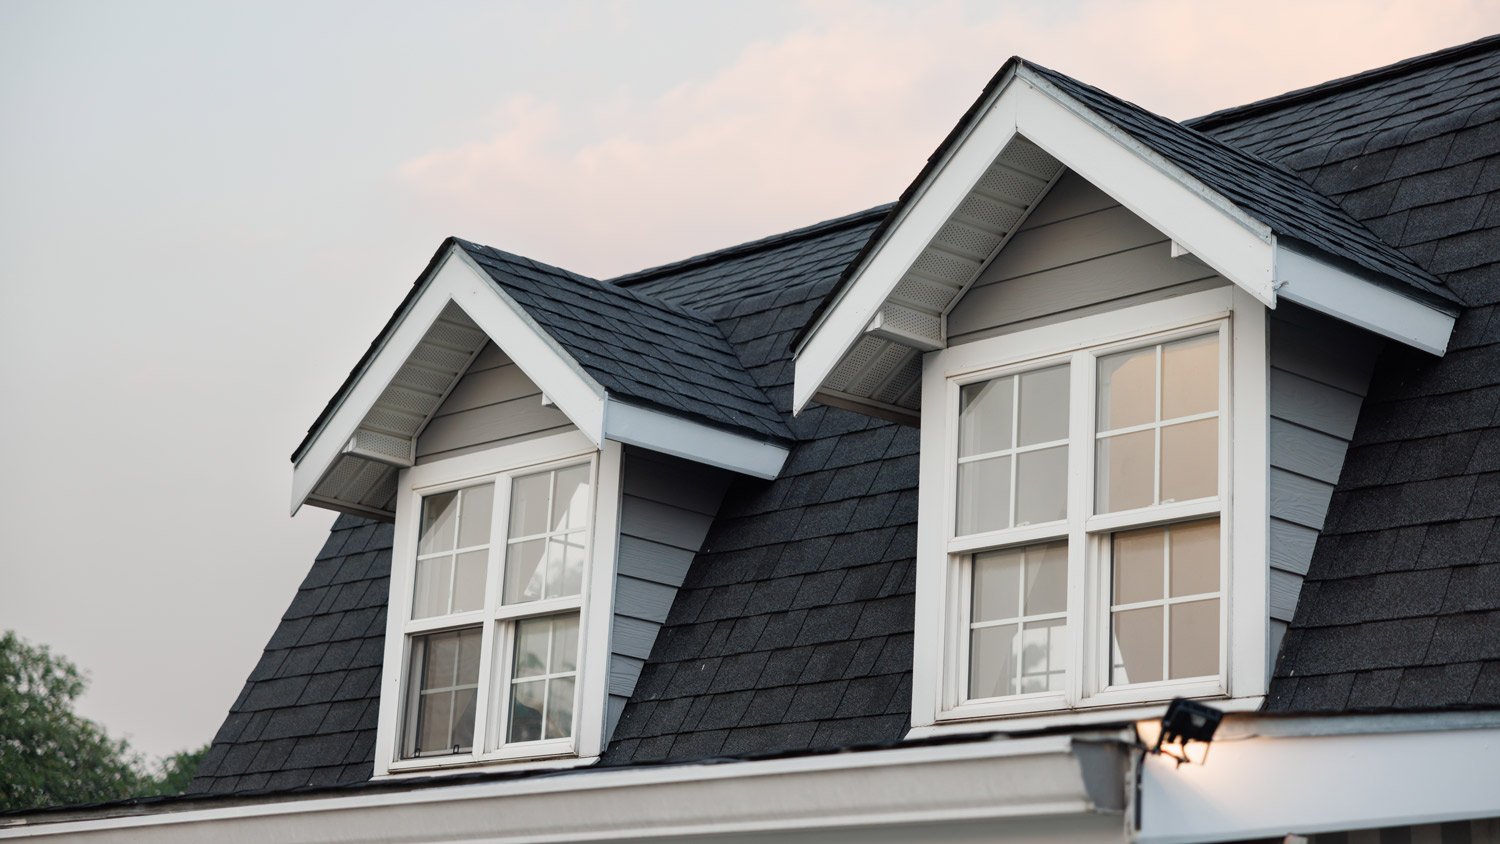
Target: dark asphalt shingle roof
{"points": [[1401, 605], [793, 628], [1262, 189], [638, 347]]}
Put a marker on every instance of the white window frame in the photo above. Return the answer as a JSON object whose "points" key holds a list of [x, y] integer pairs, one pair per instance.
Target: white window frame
{"points": [[941, 643], [594, 605]]}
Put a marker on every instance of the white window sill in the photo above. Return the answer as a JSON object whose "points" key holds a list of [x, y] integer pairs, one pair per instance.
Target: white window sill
{"points": [[1028, 722], [409, 768]]}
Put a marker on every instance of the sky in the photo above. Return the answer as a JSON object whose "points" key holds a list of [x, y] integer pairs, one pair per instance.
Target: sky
{"points": [[208, 211]]}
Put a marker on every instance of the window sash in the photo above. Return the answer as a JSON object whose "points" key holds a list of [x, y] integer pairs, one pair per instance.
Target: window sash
{"points": [[498, 622], [1089, 618]]}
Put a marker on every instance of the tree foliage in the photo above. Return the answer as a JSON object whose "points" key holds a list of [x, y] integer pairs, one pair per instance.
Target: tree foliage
{"points": [[49, 755]]}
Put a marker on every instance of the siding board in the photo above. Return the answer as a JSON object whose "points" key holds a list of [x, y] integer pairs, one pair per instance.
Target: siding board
{"points": [[667, 508], [1306, 452]]}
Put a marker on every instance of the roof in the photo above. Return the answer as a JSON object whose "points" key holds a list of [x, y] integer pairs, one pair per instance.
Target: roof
{"points": [[793, 628], [1401, 605], [638, 347]]}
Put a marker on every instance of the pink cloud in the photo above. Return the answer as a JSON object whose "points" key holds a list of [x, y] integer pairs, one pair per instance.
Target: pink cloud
{"points": [[841, 113]]}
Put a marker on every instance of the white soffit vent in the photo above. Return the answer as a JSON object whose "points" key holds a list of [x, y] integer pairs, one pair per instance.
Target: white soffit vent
{"points": [[883, 368], [362, 478]]}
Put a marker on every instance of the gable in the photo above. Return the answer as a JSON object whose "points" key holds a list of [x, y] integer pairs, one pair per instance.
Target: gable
{"points": [[493, 404], [1080, 252]]}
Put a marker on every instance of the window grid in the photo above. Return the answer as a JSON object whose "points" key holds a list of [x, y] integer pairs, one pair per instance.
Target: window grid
{"points": [[501, 622], [1101, 622], [458, 520]]}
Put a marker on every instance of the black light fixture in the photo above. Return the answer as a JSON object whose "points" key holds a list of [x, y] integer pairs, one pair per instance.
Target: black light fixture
{"points": [[1185, 721]]}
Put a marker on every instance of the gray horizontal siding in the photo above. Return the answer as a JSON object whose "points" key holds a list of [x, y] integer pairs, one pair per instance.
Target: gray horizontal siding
{"points": [[1320, 370], [493, 404], [666, 509], [1079, 253]]}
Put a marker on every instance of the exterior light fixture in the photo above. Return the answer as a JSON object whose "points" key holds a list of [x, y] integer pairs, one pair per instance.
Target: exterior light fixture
{"points": [[1186, 721]]}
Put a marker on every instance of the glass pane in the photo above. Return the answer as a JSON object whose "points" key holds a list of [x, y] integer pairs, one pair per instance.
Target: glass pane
{"points": [[1136, 646], [564, 644], [1042, 486], [1043, 656], [557, 564], [463, 719], [532, 638], [560, 708], [1195, 558], [570, 503], [984, 416], [997, 585], [984, 495], [1195, 639], [1126, 472], [478, 510], [442, 659], [430, 587], [1138, 560], [434, 717], [571, 582], [523, 571], [526, 711], [992, 667], [438, 514], [1044, 406], [466, 669], [1127, 389], [468, 581], [1190, 376], [1046, 578], [1190, 460], [528, 504]]}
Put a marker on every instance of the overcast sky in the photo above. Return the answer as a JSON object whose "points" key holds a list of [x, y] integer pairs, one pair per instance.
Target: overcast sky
{"points": [[207, 211]]}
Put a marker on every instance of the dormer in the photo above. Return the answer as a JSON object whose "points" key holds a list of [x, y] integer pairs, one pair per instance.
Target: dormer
{"points": [[1136, 356], [551, 450]]}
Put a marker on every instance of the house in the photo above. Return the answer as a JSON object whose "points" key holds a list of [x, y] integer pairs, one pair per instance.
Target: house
{"points": [[909, 524]]}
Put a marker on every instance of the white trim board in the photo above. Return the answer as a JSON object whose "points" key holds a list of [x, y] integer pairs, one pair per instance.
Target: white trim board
{"points": [[1051, 778], [563, 381], [1198, 220]]}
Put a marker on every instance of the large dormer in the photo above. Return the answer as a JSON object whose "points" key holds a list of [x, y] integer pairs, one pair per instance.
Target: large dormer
{"points": [[552, 450], [1136, 356]]}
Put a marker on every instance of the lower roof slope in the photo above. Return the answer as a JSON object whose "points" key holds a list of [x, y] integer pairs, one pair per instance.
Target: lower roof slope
{"points": [[306, 717]]}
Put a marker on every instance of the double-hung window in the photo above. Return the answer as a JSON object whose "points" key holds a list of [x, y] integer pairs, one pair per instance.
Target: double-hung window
{"points": [[1085, 523], [491, 596]]}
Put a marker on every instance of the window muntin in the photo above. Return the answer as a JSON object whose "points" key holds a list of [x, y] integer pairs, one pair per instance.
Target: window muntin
{"points": [[1148, 451], [1013, 437], [494, 625]]}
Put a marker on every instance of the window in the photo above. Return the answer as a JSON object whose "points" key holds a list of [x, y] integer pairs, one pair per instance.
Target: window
{"points": [[490, 578], [1080, 544]]}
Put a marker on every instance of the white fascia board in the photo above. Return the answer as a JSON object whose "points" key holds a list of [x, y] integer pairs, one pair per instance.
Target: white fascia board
{"points": [[652, 429], [1200, 221], [1196, 218], [926, 212], [1322, 285], [1055, 779], [1254, 786], [460, 280]]}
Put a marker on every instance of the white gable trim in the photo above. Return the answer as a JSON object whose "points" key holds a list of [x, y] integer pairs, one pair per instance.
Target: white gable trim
{"points": [[1308, 280], [457, 279], [651, 429], [1198, 220]]}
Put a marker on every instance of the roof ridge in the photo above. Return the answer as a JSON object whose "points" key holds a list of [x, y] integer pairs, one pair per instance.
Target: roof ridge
{"points": [[647, 298], [1323, 89], [752, 246]]}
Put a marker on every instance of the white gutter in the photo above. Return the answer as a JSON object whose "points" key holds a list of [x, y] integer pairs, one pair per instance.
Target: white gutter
{"points": [[1075, 783]]}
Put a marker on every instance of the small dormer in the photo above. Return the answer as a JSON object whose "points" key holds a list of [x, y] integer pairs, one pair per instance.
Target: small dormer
{"points": [[1136, 357], [552, 451]]}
